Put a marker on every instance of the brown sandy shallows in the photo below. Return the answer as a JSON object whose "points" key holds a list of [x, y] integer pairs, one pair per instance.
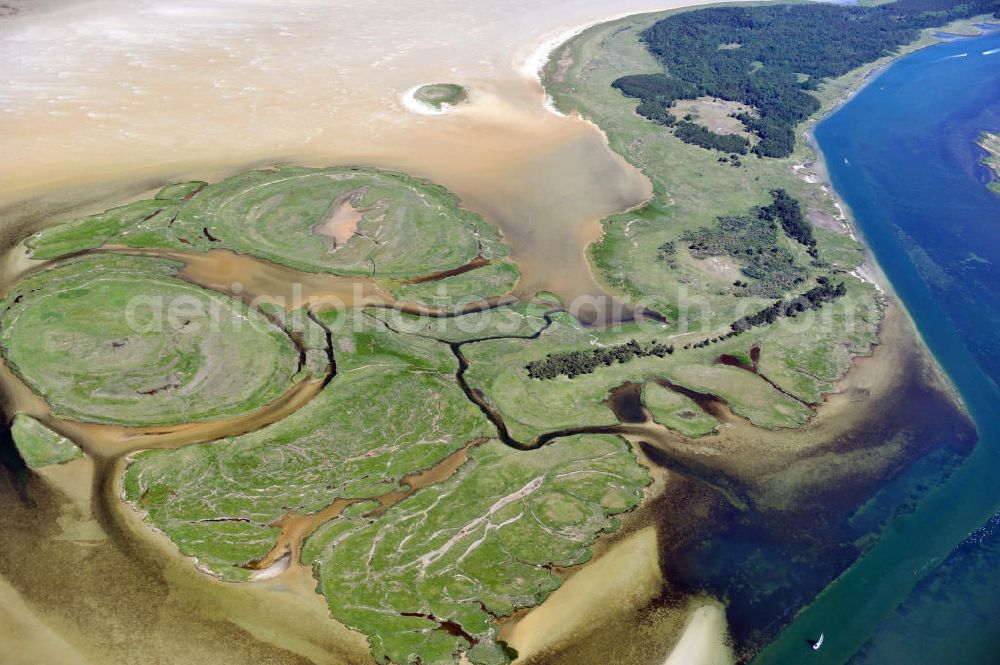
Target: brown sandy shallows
{"points": [[86, 581], [585, 622], [27, 637], [888, 411], [624, 580], [258, 281]]}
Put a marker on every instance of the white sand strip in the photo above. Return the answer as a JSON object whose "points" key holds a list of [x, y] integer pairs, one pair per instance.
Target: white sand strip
{"points": [[703, 641]]}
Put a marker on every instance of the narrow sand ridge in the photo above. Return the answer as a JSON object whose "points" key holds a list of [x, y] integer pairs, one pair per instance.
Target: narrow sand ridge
{"points": [[532, 65]]}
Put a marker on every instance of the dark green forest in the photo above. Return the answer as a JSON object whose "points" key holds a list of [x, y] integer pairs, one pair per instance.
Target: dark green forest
{"points": [[690, 132], [575, 363], [770, 57], [811, 299]]}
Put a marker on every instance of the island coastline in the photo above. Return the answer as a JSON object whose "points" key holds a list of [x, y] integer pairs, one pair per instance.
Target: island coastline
{"points": [[990, 142], [815, 165]]}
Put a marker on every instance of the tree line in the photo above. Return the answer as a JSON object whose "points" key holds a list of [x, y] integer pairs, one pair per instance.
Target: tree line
{"points": [[771, 57], [788, 212], [699, 135], [811, 299], [574, 363], [753, 241]]}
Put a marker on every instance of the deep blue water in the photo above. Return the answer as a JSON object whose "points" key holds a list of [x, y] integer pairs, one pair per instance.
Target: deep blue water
{"points": [[902, 154]]}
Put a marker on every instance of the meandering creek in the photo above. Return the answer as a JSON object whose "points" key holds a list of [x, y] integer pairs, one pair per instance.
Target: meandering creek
{"points": [[102, 110]]}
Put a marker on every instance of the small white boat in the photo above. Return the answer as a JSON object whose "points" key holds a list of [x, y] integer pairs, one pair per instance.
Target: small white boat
{"points": [[818, 643]]}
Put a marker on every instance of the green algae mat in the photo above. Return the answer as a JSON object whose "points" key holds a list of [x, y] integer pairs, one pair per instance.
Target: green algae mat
{"points": [[440, 96], [40, 446], [115, 339], [345, 221]]}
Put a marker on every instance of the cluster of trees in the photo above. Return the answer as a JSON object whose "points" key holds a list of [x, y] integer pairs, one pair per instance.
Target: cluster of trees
{"points": [[575, 363], [711, 340], [753, 241], [811, 299], [656, 111], [770, 57], [657, 94], [655, 86], [788, 212], [700, 135], [667, 253]]}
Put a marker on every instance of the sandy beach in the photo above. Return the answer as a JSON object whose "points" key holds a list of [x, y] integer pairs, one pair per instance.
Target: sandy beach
{"points": [[621, 581], [703, 639], [532, 64]]}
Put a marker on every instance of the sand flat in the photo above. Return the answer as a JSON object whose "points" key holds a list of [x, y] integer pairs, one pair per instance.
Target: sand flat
{"points": [[623, 579], [703, 641]]}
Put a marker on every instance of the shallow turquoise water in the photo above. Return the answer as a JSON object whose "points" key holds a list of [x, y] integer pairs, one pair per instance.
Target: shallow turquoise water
{"points": [[902, 154]]}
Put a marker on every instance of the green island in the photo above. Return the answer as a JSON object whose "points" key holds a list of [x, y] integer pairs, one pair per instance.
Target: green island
{"points": [[479, 545], [677, 411], [452, 466], [40, 446], [440, 96], [344, 221], [991, 144], [221, 502], [116, 339], [393, 409]]}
